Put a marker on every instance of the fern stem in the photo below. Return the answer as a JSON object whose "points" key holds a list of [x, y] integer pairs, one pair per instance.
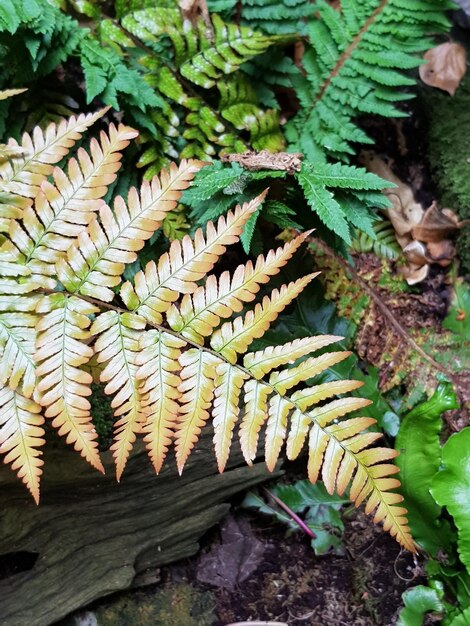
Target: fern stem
{"points": [[349, 50], [307, 530]]}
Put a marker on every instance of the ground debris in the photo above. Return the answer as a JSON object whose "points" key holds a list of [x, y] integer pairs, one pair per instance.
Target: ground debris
{"points": [[265, 160], [234, 558]]}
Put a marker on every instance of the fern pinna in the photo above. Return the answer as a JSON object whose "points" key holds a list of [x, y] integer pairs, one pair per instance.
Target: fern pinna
{"points": [[172, 345]]}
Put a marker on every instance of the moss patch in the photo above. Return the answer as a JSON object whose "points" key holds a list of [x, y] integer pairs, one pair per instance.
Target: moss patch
{"points": [[176, 604], [449, 153], [102, 415]]}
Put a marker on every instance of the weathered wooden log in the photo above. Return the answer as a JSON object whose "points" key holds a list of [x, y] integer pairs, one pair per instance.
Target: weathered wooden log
{"points": [[90, 536]]}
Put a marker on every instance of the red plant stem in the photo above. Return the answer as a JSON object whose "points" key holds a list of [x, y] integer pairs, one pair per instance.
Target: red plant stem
{"points": [[308, 531]]}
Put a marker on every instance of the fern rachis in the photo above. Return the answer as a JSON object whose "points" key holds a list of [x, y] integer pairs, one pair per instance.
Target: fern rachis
{"points": [[169, 360]]}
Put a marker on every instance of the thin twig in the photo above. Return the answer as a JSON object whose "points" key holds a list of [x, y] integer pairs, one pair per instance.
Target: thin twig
{"points": [[381, 305]]}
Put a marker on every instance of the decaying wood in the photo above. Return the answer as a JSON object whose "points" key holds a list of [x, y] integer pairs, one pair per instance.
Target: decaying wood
{"points": [[93, 537], [266, 160]]}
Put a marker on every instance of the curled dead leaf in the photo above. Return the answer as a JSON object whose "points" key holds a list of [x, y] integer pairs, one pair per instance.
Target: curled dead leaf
{"points": [[414, 274], [405, 213], [415, 253], [446, 67], [424, 235], [436, 225], [441, 252]]}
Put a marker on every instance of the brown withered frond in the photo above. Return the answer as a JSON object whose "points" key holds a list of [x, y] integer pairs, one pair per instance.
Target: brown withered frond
{"points": [[177, 356]]}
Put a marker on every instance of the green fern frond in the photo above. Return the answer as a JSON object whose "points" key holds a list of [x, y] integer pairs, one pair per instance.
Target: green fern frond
{"points": [[204, 131], [277, 17], [338, 211], [167, 359], [44, 38], [107, 76], [239, 105], [175, 224], [233, 46], [384, 245], [354, 64], [345, 198]]}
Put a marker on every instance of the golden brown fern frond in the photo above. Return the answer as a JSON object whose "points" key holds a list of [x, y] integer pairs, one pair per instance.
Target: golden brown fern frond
{"points": [[9, 152], [233, 338], [18, 346], [262, 362], [18, 319], [197, 391], [117, 347], [63, 208], [95, 263], [22, 176], [9, 93], [159, 360], [21, 436], [63, 387], [228, 382], [187, 261], [200, 313], [170, 362]]}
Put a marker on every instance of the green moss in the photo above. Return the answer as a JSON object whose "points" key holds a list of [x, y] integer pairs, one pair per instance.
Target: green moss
{"points": [[173, 605], [102, 415], [449, 154], [393, 282]]}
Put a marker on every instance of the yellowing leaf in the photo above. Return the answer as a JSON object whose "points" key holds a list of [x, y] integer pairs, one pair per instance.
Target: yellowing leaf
{"points": [[63, 387], [159, 378], [21, 434]]}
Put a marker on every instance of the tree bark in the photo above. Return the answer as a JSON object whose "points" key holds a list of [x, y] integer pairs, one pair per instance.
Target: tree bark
{"points": [[90, 536]]}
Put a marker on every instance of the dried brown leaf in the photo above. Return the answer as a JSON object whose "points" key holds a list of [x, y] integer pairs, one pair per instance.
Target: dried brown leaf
{"points": [[414, 273], [436, 225], [415, 253], [424, 235], [441, 252], [406, 213], [446, 67], [234, 559]]}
